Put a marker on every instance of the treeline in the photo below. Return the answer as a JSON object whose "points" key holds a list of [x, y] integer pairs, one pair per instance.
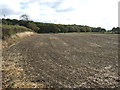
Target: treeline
{"points": [[115, 30], [40, 27]]}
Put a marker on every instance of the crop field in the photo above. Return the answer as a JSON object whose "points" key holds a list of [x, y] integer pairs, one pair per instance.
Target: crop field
{"points": [[69, 60]]}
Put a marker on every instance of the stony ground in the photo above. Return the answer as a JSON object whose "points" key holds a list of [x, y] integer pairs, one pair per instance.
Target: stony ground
{"points": [[62, 61]]}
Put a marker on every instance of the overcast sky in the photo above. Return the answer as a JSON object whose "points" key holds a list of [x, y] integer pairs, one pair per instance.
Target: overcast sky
{"points": [[95, 13]]}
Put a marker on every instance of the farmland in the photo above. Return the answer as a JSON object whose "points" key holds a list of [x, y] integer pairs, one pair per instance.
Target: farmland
{"points": [[66, 60]]}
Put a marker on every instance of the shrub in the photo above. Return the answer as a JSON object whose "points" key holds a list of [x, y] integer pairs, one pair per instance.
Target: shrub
{"points": [[8, 30]]}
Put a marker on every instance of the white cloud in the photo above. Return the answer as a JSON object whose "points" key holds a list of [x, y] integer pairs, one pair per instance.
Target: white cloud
{"points": [[103, 13]]}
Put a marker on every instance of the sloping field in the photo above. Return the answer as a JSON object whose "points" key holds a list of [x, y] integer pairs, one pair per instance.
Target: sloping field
{"points": [[62, 61]]}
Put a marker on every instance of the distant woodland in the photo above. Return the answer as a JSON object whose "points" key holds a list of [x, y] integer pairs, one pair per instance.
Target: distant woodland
{"points": [[11, 26]]}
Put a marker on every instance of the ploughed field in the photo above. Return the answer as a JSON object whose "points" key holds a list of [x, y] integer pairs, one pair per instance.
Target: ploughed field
{"points": [[62, 61]]}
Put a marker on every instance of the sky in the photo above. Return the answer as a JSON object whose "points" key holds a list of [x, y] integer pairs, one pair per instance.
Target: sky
{"points": [[94, 13]]}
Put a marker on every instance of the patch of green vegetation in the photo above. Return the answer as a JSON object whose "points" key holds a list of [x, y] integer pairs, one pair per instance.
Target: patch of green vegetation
{"points": [[11, 85], [8, 30], [114, 30], [40, 27]]}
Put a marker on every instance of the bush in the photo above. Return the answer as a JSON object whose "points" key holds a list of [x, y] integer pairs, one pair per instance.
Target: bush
{"points": [[8, 30]]}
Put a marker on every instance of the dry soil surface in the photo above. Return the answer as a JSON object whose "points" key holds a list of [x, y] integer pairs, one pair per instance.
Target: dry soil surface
{"points": [[62, 61]]}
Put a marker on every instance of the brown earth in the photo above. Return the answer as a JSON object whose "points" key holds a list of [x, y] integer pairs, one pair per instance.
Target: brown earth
{"points": [[62, 61]]}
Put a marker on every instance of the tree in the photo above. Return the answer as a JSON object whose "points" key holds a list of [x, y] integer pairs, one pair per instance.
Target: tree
{"points": [[103, 30], [32, 26], [116, 30], [24, 17]]}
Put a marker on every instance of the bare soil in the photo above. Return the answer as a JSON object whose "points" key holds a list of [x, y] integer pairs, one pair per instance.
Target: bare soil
{"points": [[62, 61]]}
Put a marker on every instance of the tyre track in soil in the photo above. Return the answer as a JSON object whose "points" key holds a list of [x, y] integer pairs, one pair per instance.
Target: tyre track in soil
{"points": [[68, 60]]}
